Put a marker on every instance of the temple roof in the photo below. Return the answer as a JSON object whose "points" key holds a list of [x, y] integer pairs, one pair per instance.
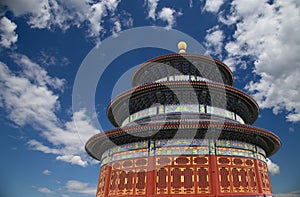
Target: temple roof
{"points": [[182, 92], [99, 143], [182, 64]]}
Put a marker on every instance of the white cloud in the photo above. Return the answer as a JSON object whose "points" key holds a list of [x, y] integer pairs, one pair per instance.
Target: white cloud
{"points": [[248, 7], [33, 71], [52, 58], [45, 190], [213, 6], [112, 4], [63, 14], [35, 145], [28, 100], [71, 142], [268, 35], [97, 12], [76, 160], [42, 13], [152, 5], [289, 194], [24, 7], [49, 13], [273, 167], [168, 15], [7, 32], [121, 20], [191, 3], [24, 101], [47, 172], [291, 129], [117, 28], [127, 20], [39, 11], [75, 186], [231, 62], [227, 19], [214, 41]]}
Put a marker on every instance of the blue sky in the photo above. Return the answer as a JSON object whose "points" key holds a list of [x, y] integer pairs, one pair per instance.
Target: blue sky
{"points": [[44, 43]]}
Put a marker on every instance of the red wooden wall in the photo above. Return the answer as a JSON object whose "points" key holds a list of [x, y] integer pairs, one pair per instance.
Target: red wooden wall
{"points": [[185, 176]]}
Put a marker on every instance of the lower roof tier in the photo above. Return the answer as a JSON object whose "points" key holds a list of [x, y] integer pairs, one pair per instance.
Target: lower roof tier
{"points": [[182, 92], [101, 142]]}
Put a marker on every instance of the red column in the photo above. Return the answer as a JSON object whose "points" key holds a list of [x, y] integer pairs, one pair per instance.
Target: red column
{"points": [[215, 183], [151, 177], [99, 179], [107, 181], [270, 186], [259, 181]]}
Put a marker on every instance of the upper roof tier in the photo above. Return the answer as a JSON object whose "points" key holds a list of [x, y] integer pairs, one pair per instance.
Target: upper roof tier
{"points": [[180, 93], [182, 64]]}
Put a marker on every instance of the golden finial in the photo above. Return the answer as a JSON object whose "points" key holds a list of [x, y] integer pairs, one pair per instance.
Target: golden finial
{"points": [[182, 47]]}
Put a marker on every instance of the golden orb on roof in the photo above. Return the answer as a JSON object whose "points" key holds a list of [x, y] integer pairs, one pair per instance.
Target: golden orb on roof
{"points": [[182, 47]]}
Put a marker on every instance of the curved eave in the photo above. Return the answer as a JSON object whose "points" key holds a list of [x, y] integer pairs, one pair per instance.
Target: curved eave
{"points": [[99, 143], [141, 90], [224, 68]]}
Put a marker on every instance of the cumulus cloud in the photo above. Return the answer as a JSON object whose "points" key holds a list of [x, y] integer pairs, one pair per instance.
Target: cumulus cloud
{"points": [[291, 129], [96, 13], [191, 3], [213, 6], [47, 172], [39, 11], [168, 15], [33, 71], [63, 14], [52, 58], [268, 35], [75, 186], [24, 101], [152, 5], [214, 41], [67, 138], [72, 159], [48, 13], [117, 28], [273, 167], [45, 190], [8, 35], [112, 4], [95, 17], [28, 99], [126, 20], [35, 145]]}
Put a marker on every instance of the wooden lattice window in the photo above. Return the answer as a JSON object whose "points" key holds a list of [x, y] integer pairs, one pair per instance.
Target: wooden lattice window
{"points": [[176, 175], [235, 176], [141, 175], [129, 176], [202, 175], [162, 178], [188, 178], [224, 177]]}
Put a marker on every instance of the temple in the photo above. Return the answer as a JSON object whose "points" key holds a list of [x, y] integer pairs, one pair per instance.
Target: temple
{"points": [[183, 130]]}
